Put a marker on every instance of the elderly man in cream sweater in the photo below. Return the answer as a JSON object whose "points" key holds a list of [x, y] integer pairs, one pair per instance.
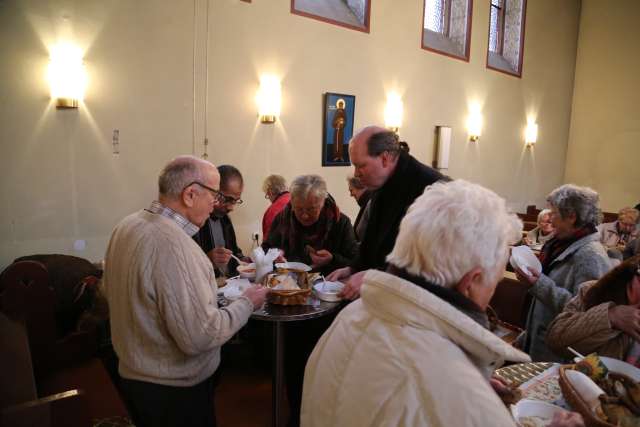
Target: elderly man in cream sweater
{"points": [[167, 328]]}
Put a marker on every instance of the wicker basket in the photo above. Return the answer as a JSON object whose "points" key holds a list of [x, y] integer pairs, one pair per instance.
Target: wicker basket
{"points": [[290, 297], [573, 398]]}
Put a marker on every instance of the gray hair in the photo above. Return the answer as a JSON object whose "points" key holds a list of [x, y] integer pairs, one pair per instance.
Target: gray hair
{"points": [[453, 218], [304, 185], [541, 215], [355, 183], [275, 184], [179, 173], [581, 201]]}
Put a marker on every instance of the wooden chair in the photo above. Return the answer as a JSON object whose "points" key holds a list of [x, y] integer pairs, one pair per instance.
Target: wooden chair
{"points": [[50, 381]]}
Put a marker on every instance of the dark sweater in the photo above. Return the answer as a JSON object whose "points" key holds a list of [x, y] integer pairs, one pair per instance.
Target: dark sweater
{"points": [[388, 206], [204, 240]]}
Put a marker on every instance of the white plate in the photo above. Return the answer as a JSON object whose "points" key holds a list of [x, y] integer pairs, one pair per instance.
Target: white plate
{"points": [[328, 291], [615, 365], [523, 257], [293, 266], [235, 288], [534, 408]]}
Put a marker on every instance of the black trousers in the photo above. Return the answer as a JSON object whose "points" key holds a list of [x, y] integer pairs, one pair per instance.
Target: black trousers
{"points": [[300, 340], [155, 405]]}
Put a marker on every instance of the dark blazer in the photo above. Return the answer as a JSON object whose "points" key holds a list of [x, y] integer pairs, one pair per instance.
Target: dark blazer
{"points": [[388, 206], [204, 239], [362, 202]]}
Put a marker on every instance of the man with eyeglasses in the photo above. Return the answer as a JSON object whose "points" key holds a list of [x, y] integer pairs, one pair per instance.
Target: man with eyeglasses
{"points": [[166, 326], [217, 237]]}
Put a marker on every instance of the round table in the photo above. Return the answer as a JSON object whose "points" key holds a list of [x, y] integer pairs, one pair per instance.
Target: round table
{"points": [[287, 313]]}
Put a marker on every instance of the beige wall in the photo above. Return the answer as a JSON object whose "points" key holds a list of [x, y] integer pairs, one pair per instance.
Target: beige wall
{"points": [[61, 182], [604, 143]]}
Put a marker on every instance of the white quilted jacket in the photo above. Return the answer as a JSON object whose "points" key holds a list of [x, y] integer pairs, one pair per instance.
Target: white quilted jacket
{"points": [[400, 356]]}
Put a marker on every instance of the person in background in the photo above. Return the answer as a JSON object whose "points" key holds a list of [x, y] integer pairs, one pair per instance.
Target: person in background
{"points": [[632, 248], [604, 317], [573, 256], [166, 326], [362, 197], [397, 178], [311, 229], [217, 237], [616, 235], [415, 349], [543, 232], [275, 190]]}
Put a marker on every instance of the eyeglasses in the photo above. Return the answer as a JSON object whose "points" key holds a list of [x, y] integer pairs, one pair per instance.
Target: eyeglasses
{"points": [[309, 211], [228, 200], [217, 196]]}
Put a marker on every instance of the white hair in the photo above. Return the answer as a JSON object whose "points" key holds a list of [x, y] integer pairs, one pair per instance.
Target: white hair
{"points": [[542, 213], [304, 185], [582, 201], [452, 228], [180, 172]]}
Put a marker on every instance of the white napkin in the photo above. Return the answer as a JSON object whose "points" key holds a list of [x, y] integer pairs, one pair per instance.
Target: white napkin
{"points": [[264, 262]]}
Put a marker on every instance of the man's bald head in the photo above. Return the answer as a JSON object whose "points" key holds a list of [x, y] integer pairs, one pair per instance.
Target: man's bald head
{"points": [[182, 171], [374, 154]]}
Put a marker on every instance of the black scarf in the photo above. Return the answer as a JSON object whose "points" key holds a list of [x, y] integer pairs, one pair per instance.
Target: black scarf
{"points": [[451, 296]]}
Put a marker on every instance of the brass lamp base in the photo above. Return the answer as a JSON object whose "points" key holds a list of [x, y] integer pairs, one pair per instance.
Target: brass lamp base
{"points": [[66, 103], [268, 119]]}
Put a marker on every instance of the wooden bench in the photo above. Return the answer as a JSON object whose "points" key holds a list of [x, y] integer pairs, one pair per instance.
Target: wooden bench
{"points": [[46, 380]]}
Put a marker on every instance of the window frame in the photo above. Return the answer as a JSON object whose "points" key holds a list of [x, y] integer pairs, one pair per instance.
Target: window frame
{"points": [[523, 22], [367, 18], [466, 57]]}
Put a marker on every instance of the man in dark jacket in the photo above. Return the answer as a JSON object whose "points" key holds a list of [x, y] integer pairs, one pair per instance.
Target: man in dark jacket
{"points": [[396, 179], [217, 238]]}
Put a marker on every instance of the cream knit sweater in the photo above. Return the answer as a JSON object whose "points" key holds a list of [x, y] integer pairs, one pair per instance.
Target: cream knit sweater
{"points": [[166, 326]]}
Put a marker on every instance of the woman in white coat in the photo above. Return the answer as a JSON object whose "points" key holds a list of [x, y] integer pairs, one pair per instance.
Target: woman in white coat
{"points": [[415, 350]]}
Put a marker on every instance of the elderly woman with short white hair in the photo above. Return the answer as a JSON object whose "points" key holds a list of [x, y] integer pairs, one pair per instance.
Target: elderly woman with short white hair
{"points": [[311, 229], [573, 256], [415, 350], [543, 231]]}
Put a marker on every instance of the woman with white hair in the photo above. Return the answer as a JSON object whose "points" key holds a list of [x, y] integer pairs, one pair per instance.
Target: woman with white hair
{"points": [[275, 190], [311, 228], [415, 350], [572, 257], [543, 232]]}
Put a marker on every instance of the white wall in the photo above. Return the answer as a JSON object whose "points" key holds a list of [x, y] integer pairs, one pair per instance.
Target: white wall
{"points": [[60, 181], [604, 144]]}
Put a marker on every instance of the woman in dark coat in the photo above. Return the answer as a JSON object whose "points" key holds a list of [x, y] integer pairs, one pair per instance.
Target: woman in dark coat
{"points": [[311, 229]]}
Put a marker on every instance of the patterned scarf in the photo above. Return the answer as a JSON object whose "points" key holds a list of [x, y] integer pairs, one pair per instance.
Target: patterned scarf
{"points": [[315, 235], [554, 247]]}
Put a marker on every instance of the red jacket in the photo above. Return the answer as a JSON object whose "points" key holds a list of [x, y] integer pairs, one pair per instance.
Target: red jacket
{"points": [[272, 211]]}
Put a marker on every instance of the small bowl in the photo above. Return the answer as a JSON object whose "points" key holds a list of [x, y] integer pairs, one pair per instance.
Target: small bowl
{"points": [[328, 291], [247, 271]]}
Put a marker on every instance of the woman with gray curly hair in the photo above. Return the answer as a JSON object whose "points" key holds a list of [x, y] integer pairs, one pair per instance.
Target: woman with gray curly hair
{"points": [[572, 257]]}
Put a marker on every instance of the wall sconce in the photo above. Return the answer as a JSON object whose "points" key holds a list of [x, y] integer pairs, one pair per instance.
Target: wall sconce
{"points": [[269, 99], [531, 134], [66, 75], [393, 112], [474, 125]]}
